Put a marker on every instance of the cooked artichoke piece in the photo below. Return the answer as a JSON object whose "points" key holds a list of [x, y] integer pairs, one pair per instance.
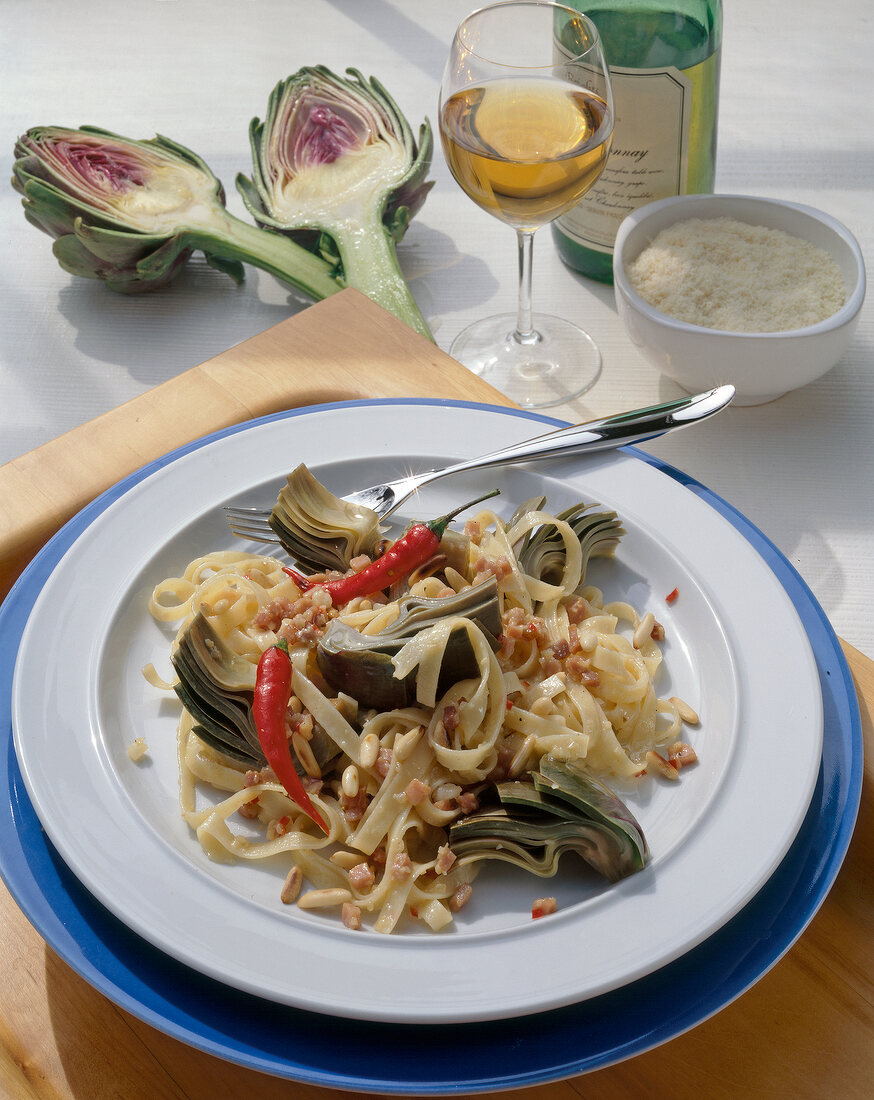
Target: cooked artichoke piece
{"points": [[216, 687], [592, 797], [360, 665], [321, 531], [537, 822], [542, 551]]}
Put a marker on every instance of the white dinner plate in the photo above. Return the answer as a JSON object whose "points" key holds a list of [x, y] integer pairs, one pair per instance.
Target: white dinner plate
{"points": [[736, 650]]}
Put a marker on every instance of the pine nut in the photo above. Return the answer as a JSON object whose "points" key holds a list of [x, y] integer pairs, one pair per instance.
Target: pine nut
{"points": [[368, 750], [644, 630], [305, 727], [349, 782], [323, 899], [686, 713], [664, 767], [291, 887], [405, 744], [305, 756], [345, 860]]}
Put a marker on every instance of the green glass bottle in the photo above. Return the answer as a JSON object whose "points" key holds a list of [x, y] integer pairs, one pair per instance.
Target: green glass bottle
{"points": [[664, 64]]}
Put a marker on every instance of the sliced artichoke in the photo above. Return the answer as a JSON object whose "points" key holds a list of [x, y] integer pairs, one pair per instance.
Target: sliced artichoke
{"points": [[360, 665], [216, 687], [131, 212], [336, 166], [562, 810], [542, 553], [319, 530]]}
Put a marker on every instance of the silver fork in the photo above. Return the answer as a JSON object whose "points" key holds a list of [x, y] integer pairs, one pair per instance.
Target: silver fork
{"points": [[635, 426]]}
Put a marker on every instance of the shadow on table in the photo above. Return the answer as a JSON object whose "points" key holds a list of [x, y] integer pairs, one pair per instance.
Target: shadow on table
{"points": [[156, 335]]}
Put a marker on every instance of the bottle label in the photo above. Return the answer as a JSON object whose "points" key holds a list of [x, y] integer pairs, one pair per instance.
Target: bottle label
{"points": [[648, 159]]}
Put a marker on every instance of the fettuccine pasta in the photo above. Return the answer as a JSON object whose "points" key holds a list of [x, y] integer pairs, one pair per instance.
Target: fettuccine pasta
{"points": [[570, 675]]}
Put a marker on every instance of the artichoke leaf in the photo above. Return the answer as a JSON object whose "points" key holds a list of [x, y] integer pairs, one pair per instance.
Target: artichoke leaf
{"points": [[216, 687], [543, 555], [319, 530], [361, 664], [561, 809], [565, 781]]}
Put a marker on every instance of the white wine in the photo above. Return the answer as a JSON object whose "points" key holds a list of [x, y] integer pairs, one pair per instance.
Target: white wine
{"points": [[525, 150], [664, 67]]}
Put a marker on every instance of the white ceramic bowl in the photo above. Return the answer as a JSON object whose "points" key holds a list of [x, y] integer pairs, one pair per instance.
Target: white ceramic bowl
{"points": [[761, 366]]}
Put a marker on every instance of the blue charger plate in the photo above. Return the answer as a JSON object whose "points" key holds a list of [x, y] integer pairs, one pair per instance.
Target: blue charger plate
{"points": [[373, 1057]]}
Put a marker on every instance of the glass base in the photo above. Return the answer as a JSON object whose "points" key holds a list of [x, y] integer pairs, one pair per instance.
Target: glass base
{"points": [[560, 363]]}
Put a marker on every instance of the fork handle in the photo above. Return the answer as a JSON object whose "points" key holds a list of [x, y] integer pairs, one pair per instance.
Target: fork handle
{"points": [[609, 432]]}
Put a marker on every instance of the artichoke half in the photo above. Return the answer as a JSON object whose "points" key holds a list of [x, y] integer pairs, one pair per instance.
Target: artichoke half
{"points": [[130, 213], [216, 687], [321, 531], [336, 165], [562, 809], [360, 665]]}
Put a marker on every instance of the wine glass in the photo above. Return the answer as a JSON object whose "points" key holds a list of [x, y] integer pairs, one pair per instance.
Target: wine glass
{"points": [[526, 121]]}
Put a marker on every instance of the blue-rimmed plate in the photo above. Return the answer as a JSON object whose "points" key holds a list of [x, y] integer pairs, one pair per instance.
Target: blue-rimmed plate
{"points": [[564, 1042]]}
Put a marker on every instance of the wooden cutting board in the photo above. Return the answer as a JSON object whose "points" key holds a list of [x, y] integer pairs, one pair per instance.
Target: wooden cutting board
{"points": [[806, 1030]]}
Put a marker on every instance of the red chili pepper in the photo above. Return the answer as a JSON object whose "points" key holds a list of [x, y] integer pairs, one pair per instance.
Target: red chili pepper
{"points": [[671, 596], [272, 692], [412, 549]]}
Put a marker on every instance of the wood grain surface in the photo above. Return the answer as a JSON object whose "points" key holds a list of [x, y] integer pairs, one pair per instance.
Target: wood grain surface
{"points": [[805, 1030]]}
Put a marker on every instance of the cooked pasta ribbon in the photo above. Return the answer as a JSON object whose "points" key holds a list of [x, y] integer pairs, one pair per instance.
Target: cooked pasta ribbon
{"points": [[569, 678]]}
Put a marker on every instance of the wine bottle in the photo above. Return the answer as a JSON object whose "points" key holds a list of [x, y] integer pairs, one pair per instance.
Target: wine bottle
{"points": [[664, 66]]}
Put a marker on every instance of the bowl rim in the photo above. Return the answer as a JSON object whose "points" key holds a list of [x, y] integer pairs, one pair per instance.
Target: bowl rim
{"points": [[846, 313]]}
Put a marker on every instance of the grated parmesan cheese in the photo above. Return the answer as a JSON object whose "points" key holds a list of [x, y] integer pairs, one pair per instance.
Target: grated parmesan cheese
{"points": [[724, 274]]}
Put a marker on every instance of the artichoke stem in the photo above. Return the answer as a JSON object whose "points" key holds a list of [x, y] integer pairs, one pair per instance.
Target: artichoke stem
{"points": [[370, 263], [234, 239]]}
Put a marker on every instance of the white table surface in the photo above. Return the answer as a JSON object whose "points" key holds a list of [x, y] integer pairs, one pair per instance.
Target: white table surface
{"points": [[796, 122]]}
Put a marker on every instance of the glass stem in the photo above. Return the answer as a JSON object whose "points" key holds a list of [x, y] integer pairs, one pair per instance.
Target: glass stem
{"points": [[525, 333]]}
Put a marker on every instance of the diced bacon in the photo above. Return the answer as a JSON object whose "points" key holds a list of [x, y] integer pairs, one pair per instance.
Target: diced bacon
{"points": [[401, 867], [658, 632], [461, 897], [577, 609], [270, 616], [543, 907], [445, 859], [561, 649], [383, 762], [249, 809], [350, 915], [361, 876], [498, 568], [353, 808], [579, 669], [473, 530], [680, 754], [417, 792], [467, 802]]}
